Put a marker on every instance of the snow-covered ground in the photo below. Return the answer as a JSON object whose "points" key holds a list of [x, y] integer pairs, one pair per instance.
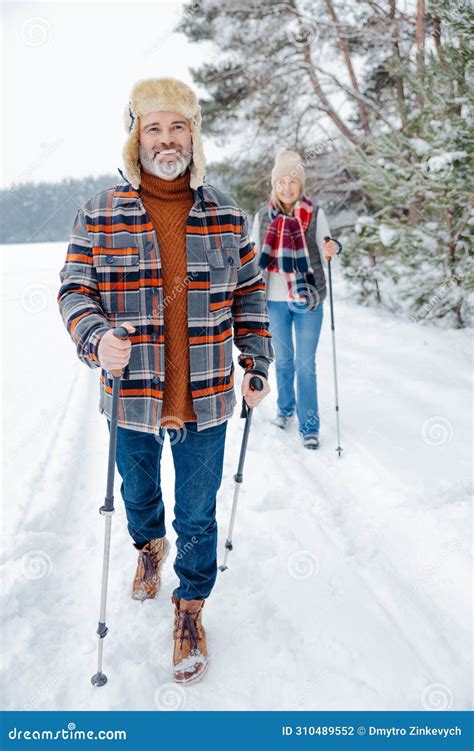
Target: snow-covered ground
{"points": [[349, 586]]}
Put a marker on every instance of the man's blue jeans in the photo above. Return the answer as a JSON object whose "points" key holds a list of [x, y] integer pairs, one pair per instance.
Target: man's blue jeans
{"points": [[306, 323], [198, 458]]}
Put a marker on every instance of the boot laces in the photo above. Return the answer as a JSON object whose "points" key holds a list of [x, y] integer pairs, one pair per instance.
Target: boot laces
{"points": [[149, 566], [188, 623]]}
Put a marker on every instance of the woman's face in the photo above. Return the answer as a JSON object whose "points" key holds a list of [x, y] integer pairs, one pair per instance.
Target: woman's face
{"points": [[288, 190]]}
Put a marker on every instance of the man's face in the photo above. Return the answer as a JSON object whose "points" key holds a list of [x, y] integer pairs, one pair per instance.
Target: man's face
{"points": [[165, 144]]}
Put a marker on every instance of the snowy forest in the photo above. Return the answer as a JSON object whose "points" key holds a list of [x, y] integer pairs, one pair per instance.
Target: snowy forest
{"points": [[375, 95]]}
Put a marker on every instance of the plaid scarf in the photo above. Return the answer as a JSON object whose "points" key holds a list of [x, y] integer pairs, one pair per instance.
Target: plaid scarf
{"points": [[284, 249]]}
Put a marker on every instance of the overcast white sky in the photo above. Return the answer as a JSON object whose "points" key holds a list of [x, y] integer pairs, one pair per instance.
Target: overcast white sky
{"points": [[68, 68]]}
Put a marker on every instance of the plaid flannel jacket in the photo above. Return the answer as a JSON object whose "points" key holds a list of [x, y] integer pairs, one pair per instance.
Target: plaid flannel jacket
{"points": [[113, 274]]}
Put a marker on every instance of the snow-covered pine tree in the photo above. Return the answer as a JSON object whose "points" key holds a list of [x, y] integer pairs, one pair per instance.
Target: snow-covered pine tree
{"points": [[411, 249]]}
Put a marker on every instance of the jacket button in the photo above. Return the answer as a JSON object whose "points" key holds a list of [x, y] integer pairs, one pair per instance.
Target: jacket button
{"points": [[110, 259], [230, 261], [148, 246], [154, 336]]}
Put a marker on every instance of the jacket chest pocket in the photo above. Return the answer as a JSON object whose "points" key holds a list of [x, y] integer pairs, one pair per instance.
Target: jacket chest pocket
{"points": [[118, 276], [223, 267]]}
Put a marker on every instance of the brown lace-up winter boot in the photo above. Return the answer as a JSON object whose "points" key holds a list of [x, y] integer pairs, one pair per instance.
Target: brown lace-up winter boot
{"points": [[190, 657], [148, 575]]}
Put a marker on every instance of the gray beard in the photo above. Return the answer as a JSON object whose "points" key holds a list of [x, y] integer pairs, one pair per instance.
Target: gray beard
{"points": [[166, 169]]}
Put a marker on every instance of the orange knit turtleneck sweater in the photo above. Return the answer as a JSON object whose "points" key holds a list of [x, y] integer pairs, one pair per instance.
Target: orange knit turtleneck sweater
{"points": [[168, 203]]}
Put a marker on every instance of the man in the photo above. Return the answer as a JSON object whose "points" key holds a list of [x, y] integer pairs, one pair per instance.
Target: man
{"points": [[168, 256]]}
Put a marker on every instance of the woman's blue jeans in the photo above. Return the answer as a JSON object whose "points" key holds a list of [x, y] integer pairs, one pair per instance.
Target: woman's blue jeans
{"points": [[198, 459], [296, 358]]}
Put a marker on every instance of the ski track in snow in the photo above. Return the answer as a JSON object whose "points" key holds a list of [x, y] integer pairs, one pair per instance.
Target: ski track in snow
{"points": [[347, 587]]}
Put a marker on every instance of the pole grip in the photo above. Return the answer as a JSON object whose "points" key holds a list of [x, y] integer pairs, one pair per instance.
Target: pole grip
{"points": [[339, 246], [121, 333], [328, 258], [256, 385]]}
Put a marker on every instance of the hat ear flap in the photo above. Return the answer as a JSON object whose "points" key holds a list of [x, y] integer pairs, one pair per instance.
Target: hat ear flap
{"points": [[198, 168], [128, 118], [197, 119], [131, 154]]}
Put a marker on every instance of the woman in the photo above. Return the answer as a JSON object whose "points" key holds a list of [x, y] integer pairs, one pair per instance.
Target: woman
{"points": [[289, 235]]}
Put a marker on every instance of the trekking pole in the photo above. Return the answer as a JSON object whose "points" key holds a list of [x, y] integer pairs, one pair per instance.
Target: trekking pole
{"points": [[107, 510], [333, 331], [246, 412]]}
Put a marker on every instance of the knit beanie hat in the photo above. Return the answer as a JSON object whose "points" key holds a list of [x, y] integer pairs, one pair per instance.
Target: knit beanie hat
{"points": [[288, 164], [154, 95]]}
